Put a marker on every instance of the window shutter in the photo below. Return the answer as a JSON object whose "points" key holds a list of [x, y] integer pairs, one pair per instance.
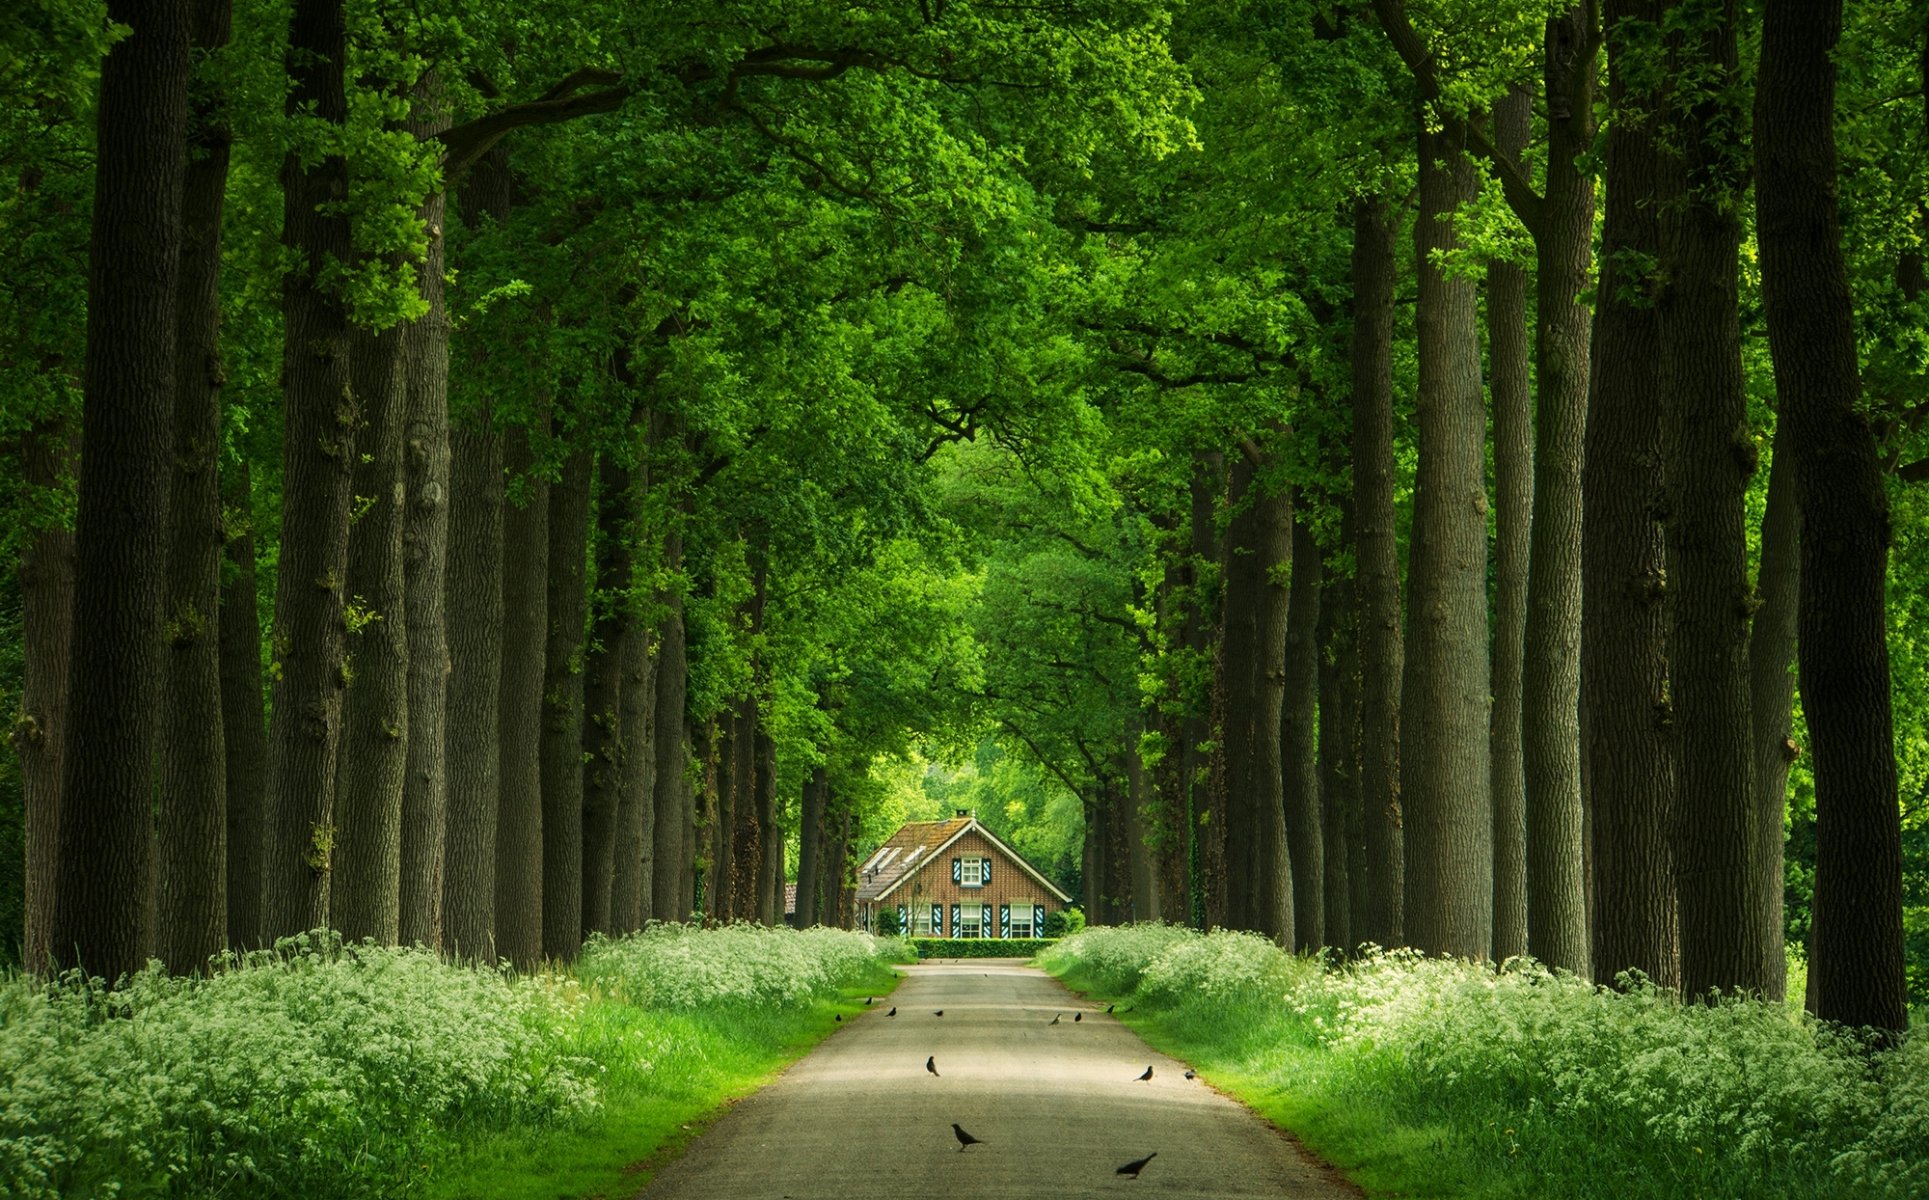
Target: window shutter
{"points": [[985, 922], [1004, 920], [957, 870], [954, 921], [987, 872], [937, 920], [1038, 920]]}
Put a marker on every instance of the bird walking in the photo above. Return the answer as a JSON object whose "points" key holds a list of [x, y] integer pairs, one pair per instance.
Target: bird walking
{"points": [[1147, 1077], [1136, 1165], [1055, 1019], [931, 1065], [1077, 1017], [869, 1000], [1110, 1007], [939, 1013], [1191, 1074], [893, 1012], [964, 1139]]}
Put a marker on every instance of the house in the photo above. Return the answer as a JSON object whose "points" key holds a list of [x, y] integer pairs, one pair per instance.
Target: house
{"points": [[954, 879]]}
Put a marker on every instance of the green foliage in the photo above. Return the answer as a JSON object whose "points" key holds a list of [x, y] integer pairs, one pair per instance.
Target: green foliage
{"points": [[1064, 922], [979, 947], [1452, 1078], [888, 924]]}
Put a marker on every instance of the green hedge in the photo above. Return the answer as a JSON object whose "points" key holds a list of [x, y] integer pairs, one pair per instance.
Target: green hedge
{"points": [[980, 947]]}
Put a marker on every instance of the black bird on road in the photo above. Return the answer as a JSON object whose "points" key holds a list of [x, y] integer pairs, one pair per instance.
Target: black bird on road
{"points": [[1136, 1165], [893, 1012], [939, 1013], [1191, 1074], [1110, 1007], [1147, 1077], [964, 1139], [869, 1000], [1055, 1019], [1077, 1017], [931, 1065]]}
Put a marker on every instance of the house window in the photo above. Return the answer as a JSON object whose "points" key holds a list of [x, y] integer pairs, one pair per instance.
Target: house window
{"points": [[969, 925], [921, 921], [972, 874], [1021, 919]]}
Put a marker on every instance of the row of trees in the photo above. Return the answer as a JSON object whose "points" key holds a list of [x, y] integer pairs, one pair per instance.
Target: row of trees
{"points": [[636, 424]]}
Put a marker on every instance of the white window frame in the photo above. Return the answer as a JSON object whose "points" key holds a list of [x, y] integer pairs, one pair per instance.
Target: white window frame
{"points": [[921, 920], [970, 924], [1025, 907], [971, 873]]}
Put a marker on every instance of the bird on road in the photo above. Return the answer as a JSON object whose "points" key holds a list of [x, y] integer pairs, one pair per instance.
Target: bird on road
{"points": [[1110, 1007], [939, 1013], [931, 1064], [1077, 1017], [964, 1139], [1136, 1165], [869, 1000], [1191, 1074], [1055, 1019], [893, 1012], [1147, 1077]]}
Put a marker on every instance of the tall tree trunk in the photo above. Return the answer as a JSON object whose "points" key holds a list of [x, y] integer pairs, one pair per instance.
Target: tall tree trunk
{"points": [[562, 697], [1299, 738], [1140, 798], [1564, 241], [812, 852], [1204, 900], [474, 629], [474, 729], [839, 899], [604, 751], [47, 626], [519, 705], [1382, 920], [634, 875], [721, 902], [1629, 735], [670, 896], [191, 802], [1711, 457], [425, 554], [1445, 763], [1513, 524], [103, 858], [318, 458], [1229, 823], [375, 714], [1844, 539], [1339, 748], [243, 726], [1771, 654], [770, 869]]}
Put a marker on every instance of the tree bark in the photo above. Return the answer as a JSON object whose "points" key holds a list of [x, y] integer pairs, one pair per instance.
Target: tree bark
{"points": [[670, 890], [40, 731], [770, 868], [1445, 765], [243, 725], [1629, 740], [720, 901], [103, 867], [375, 713], [604, 751], [1711, 457], [191, 802], [1299, 737], [631, 892], [1771, 655], [562, 697], [1381, 920], [473, 730], [1513, 525], [318, 457], [519, 705], [1339, 749], [1844, 537], [811, 850], [425, 553]]}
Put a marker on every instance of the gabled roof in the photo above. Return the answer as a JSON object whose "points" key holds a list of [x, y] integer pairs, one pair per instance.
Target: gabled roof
{"points": [[917, 843]]}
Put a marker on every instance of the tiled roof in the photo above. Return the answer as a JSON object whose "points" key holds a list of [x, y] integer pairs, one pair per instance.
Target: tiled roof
{"points": [[908, 849]]}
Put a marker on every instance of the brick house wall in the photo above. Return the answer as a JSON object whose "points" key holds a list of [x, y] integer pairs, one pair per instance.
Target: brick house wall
{"points": [[939, 899]]}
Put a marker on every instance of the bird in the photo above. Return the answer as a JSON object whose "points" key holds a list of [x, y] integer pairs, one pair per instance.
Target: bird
{"points": [[964, 1139], [1147, 1077], [893, 1012], [931, 1065], [939, 1013], [840, 1016], [1136, 1165], [1191, 1074], [1077, 1017], [1110, 1007], [1055, 1019], [869, 1000]]}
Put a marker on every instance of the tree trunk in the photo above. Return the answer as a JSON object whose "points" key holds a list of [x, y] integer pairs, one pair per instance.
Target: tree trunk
{"points": [[1339, 748], [474, 728], [1624, 660], [318, 457], [770, 869], [1564, 241], [562, 700], [519, 704], [1844, 538], [1771, 654], [425, 554], [1710, 460], [1445, 764], [604, 669], [1513, 523], [103, 858], [1299, 738], [1381, 919], [191, 801], [40, 729], [243, 726], [812, 852], [634, 872], [720, 904], [1140, 799], [375, 715], [839, 899], [670, 893]]}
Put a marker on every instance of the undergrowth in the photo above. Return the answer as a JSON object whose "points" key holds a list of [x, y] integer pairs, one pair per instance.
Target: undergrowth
{"points": [[1435, 1077], [323, 1069]]}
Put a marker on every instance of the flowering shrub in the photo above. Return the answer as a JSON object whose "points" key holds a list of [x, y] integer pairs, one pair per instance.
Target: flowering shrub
{"points": [[1548, 1084], [683, 967]]}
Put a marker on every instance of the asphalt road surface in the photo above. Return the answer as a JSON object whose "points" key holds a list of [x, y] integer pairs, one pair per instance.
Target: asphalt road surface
{"points": [[1058, 1109]]}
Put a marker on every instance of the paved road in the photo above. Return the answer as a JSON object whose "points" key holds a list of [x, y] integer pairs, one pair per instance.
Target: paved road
{"points": [[1058, 1108]]}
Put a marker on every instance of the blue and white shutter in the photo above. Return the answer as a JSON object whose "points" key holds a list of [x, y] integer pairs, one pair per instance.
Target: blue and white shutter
{"points": [[1038, 920], [937, 920], [984, 925], [985, 875], [957, 870], [1004, 920], [904, 921], [955, 925]]}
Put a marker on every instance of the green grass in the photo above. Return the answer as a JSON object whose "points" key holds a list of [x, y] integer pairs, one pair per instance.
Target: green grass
{"points": [[1430, 1078]]}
